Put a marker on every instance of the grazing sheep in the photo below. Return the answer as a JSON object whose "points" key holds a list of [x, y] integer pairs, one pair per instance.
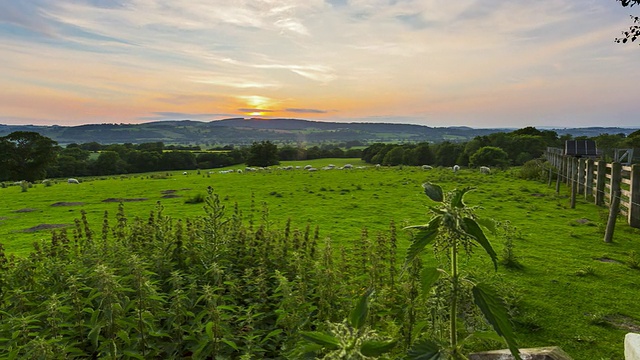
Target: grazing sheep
{"points": [[73, 181], [347, 166], [312, 169], [378, 166], [456, 168], [485, 170], [239, 171], [427, 167], [307, 167], [184, 173], [331, 166]]}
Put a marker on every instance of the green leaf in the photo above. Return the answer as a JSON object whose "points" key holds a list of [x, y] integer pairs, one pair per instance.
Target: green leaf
{"points": [[271, 334], [496, 314], [433, 191], [358, 315], [428, 277], [426, 350], [456, 198], [133, 354], [424, 236], [323, 339], [488, 224], [377, 348], [209, 329], [472, 228], [230, 343]]}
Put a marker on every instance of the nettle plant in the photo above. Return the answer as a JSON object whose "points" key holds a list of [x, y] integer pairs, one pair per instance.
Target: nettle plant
{"points": [[454, 230]]}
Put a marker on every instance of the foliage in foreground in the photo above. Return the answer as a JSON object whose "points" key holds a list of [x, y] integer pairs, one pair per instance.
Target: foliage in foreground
{"points": [[209, 287]]}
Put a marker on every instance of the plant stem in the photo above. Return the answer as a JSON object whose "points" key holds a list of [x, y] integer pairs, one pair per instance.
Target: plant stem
{"points": [[454, 299]]}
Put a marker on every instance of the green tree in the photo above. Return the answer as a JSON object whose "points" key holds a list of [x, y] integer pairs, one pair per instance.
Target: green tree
{"points": [[26, 155], [263, 153], [489, 156], [109, 163], [394, 156]]}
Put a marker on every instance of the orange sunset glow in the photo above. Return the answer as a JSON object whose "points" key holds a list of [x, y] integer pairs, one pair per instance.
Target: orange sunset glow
{"points": [[437, 63]]}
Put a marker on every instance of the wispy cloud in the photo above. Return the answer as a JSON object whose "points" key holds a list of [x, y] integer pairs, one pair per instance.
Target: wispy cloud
{"points": [[450, 61]]}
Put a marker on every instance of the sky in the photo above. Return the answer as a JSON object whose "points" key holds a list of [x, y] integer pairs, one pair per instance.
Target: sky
{"points": [[478, 63]]}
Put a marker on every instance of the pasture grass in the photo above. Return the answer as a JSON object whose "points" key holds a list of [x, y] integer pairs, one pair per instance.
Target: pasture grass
{"points": [[572, 290]]}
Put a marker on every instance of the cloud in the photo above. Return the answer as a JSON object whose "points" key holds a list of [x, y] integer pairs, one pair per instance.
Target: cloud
{"points": [[169, 115], [250, 110], [306, 111]]}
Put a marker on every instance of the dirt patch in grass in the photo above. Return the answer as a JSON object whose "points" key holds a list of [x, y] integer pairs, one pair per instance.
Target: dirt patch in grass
{"points": [[63, 203], [171, 196], [583, 221], [623, 322], [25, 210], [538, 195], [44, 227], [124, 200], [166, 192], [607, 260]]}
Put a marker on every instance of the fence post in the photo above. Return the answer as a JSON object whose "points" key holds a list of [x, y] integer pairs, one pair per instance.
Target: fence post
{"points": [[588, 186], [574, 181], [600, 181], [616, 176], [634, 197], [581, 178]]}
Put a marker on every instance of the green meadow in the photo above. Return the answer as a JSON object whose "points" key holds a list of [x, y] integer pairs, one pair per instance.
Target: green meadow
{"points": [[572, 290]]}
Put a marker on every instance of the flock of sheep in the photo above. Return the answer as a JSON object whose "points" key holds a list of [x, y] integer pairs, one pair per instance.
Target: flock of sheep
{"points": [[455, 169]]}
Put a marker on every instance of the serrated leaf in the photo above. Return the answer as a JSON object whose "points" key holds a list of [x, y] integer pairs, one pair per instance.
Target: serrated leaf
{"points": [[496, 314], [230, 343], [472, 228], [123, 336], [377, 348], [433, 191], [488, 224], [423, 237], [323, 339], [209, 329], [358, 315], [426, 350], [428, 277], [270, 335], [458, 195]]}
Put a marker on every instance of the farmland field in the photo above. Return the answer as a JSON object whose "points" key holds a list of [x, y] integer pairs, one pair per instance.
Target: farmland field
{"points": [[574, 291]]}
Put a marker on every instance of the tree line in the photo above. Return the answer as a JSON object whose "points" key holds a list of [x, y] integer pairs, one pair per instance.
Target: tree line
{"points": [[499, 149], [31, 156]]}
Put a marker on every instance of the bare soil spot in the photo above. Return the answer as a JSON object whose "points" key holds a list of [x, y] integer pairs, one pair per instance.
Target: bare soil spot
{"points": [[25, 210], [607, 260], [623, 322], [124, 200], [63, 203], [171, 196], [168, 191], [583, 221], [538, 195], [44, 227]]}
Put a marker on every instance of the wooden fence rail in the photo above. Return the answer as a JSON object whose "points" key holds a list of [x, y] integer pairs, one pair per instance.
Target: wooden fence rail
{"points": [[601, 181]]}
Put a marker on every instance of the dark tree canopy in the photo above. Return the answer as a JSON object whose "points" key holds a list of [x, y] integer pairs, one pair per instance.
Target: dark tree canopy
{"points": [[263, 153], [26, 155]]}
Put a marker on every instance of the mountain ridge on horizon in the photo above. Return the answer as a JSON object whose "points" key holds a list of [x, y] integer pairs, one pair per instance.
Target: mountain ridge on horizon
{"points": [[244, 131]]}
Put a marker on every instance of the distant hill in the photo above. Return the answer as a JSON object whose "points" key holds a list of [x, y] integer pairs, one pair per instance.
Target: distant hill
{"points": [[241, 131]]}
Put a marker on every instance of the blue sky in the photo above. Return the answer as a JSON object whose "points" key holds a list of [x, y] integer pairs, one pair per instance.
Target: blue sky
{"points": [[479, 63]]}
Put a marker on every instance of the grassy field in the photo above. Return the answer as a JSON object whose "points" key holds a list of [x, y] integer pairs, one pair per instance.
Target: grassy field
{"points": [[573, 291]]}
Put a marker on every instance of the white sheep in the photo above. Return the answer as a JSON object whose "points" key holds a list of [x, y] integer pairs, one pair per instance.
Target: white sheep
{"points": [[456, 168], [427, 167], [307, 167], [347, 166], [312, 169], [73, 181], [485, 170], [184, 173], [378, 166]]}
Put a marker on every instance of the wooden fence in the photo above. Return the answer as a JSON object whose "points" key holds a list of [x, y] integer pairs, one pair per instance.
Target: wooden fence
{"points": [[600, 181]]}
